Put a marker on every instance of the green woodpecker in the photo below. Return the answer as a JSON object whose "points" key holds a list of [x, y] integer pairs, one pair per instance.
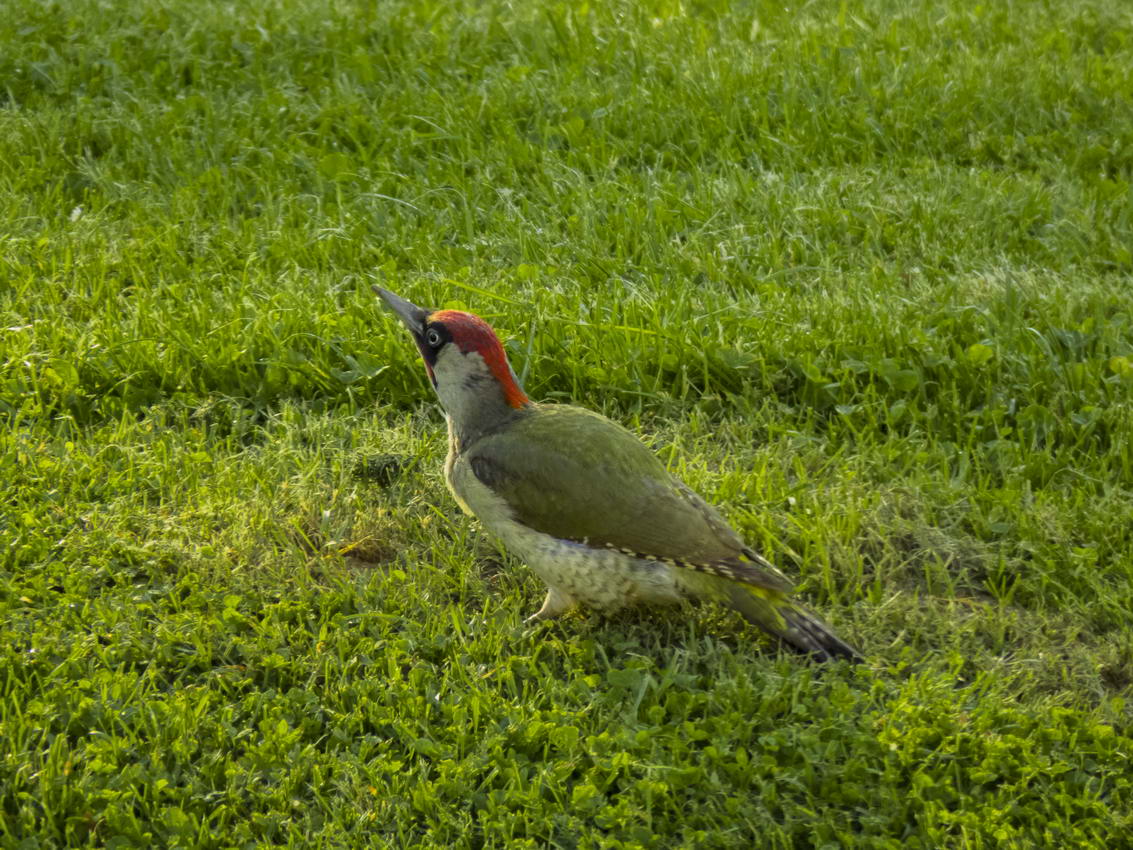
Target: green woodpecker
{"points": [[589, 507]]}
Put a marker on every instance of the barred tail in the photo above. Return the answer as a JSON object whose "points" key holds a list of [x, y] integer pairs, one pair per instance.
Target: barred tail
{"points": [[790, 622]]}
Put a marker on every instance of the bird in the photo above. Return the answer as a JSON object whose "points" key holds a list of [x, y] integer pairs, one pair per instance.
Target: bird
{"points": [[588, 506]]}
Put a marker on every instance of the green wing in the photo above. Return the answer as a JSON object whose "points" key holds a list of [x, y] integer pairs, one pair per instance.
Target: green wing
{"points": [[576, 475]]}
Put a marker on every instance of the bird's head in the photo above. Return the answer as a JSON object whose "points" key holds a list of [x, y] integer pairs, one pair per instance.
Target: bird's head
{"points": [[464, 359]]}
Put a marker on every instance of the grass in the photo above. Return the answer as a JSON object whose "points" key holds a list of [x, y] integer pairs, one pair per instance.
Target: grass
{"points": [[860, 272]]}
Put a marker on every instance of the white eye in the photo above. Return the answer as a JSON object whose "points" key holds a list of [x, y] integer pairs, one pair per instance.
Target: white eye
{"points": [[433, 338]]}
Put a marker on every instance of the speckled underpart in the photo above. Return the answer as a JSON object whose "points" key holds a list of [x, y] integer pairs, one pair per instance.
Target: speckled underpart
{"points": [[600, 578]]}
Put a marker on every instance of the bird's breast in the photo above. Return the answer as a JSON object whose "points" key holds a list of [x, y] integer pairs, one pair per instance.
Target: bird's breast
{"points": [[455, 487]]}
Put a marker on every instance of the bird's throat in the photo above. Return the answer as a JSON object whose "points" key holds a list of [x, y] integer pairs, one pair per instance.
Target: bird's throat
{"points": [[472, 396]]}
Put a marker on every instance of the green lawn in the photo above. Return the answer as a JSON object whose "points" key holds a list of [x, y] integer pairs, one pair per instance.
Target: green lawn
{"points": [[859, 271]]}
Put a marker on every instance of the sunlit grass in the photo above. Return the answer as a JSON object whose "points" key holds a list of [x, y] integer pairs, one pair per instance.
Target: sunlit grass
{"points": [[860, 273]]}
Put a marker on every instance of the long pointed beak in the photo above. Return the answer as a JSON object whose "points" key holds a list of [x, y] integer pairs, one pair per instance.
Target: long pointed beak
{"points": [[413, 316]]}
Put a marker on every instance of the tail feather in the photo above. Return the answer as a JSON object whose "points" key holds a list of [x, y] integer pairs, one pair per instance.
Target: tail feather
{"points": [[789, 621]]}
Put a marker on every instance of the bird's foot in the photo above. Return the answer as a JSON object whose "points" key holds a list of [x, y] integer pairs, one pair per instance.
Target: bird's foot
{"points": [[555, 603]]}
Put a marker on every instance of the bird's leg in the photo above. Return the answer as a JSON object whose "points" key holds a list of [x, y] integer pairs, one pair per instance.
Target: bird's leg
{"points": [[555, 603]]}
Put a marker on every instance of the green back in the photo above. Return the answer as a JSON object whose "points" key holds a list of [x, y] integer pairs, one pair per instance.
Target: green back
{"points": [[576, 475]]}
